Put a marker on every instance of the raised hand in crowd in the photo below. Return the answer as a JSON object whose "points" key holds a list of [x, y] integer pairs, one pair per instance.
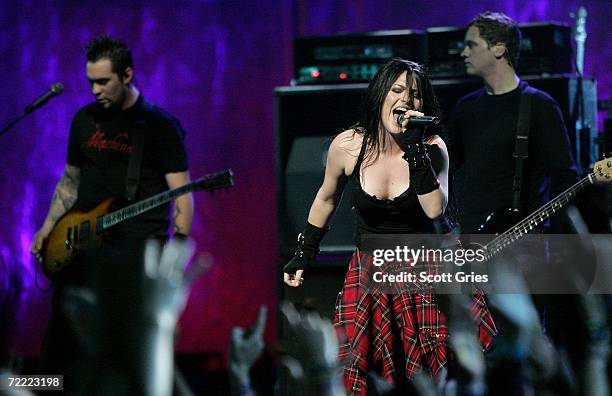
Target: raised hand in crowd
{"points": [[312, 353], [246, 346], [164, 286], [164, 291]]}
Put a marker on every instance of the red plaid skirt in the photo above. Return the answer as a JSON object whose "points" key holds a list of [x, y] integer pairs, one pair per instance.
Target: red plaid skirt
{"points": [[371, 323]]}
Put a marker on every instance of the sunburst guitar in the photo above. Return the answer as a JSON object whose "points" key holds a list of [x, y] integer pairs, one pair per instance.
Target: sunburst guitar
{"points": [[80, 230]]}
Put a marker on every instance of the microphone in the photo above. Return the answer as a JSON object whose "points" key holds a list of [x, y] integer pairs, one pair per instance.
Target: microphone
{"points": [[418, 121], [55, 90]]}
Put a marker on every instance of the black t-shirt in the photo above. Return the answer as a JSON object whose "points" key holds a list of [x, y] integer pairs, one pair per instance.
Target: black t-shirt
{"points": [[483, 130], [101, 144]]}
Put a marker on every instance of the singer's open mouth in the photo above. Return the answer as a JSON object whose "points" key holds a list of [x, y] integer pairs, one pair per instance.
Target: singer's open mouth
{"points": [[399, 111]]}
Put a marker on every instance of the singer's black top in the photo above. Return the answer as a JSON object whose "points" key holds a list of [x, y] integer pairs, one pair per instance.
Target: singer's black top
{"points": [[483, 129], [101, 144], [401, 215]]}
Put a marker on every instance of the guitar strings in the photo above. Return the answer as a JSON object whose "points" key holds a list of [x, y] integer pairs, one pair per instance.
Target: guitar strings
{"points": [[522, 226]]}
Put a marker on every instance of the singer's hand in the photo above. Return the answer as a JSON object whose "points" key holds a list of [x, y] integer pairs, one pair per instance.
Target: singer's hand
{"points": [[412, 137], [407, 115]]}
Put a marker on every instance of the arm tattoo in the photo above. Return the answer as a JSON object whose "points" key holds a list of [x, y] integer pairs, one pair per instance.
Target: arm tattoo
{"points": [[175, 216], [65, 194]]}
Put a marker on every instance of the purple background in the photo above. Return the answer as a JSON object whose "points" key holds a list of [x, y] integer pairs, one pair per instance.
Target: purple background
{"points": [[213, 64]]}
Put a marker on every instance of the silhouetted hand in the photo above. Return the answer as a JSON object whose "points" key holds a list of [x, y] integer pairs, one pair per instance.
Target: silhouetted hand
{"points": [[246, 345], [164, 293], [164, 287], [314, 354]]}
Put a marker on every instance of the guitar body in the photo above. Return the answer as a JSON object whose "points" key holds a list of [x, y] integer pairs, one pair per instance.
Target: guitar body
{"points": [[75, 232], [79, 230]]}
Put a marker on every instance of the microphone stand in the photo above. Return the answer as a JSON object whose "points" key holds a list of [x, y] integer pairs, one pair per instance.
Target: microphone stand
{"points": [[583, 130], [13, 123], [55, 90]]}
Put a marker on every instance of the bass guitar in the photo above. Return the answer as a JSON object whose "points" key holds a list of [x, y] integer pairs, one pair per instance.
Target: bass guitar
{"points": [[602, 172], [79, 230]]}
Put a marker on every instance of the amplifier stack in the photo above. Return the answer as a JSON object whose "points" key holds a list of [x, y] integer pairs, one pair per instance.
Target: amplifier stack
{"points": [[355, 58]]}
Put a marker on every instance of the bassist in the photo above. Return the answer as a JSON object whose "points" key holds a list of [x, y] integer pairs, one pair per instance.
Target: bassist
{"points": [[484, 128], [484, 125]]}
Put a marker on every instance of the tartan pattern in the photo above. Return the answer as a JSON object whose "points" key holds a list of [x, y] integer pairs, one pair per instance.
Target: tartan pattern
{"points": [[369, 322]]}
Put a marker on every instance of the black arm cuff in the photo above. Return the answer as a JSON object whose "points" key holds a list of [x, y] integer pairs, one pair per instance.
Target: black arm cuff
{"points": [[422, 176], [308, 246]]}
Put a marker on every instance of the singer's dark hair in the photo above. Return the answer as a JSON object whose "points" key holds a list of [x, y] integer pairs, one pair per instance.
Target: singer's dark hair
{"points": [[106, 47], [497, 27], [370, 124]]}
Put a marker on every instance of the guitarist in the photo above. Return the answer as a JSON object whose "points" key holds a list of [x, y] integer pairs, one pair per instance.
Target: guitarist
{"points": [[103, 138]]}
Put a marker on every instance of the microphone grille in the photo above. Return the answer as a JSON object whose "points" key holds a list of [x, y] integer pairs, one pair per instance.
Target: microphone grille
{"points": [[400, 119], [57, 88]]}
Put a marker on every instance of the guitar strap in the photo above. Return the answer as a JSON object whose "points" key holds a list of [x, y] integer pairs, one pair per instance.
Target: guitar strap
{"points": [[133, 174], [521, 146]]}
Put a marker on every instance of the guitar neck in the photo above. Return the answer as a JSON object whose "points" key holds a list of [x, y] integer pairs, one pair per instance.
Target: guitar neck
{"points": [[137, 208], [536, 218]]}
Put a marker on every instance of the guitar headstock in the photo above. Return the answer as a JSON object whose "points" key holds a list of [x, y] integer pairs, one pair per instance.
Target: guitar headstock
{"points": [[214, 181], [602, 170]]}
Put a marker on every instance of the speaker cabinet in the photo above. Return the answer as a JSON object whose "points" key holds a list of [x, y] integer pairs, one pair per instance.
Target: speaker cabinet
{"points": [[303, 176], [307, 119], [322, 283], [607, 138]]}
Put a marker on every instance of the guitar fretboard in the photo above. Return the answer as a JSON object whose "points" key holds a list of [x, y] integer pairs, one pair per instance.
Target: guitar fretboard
{"points": [[536, 218], [133, 210], [207, 183]]}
